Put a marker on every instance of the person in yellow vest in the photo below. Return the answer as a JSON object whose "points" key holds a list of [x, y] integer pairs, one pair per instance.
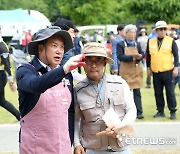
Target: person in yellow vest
{"points": [[162, 63], [5, 67]]}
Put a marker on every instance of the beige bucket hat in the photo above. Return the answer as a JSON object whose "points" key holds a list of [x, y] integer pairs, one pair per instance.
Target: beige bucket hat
{"points": [[96, 49], [161, 24]]}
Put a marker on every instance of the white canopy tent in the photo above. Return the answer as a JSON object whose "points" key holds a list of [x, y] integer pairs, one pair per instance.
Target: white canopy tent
{"points": [[14, 22]]}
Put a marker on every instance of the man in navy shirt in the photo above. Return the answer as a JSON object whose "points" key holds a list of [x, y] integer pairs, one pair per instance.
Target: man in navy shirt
{"points": [[130, 54], [45, 91]]}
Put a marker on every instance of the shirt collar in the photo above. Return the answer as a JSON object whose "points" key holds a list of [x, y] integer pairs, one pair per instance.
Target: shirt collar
{"points": [[130, 42], [46, 66], [100, 82]]}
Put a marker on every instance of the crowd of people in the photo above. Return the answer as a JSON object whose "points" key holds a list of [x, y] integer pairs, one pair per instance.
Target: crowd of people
{"points": [[139, 45], [55, 114]]}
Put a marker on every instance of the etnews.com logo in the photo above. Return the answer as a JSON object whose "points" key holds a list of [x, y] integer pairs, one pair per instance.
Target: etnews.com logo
{"points": [[149, 141]]}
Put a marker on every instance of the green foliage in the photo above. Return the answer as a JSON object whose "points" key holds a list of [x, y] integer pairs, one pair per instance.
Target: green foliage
{"points": [[154, 10], [89, 12], [12, 97], [52, 11], [25, 4], [8, 5], [122, 14], [98, 12]]}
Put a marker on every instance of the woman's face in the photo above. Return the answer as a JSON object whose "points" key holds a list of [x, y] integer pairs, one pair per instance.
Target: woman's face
{"points": [[143, 33], [94, 67]]}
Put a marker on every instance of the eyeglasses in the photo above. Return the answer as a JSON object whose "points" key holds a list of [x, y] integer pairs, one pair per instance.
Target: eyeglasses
{"points": [[97, 62], [161, 29]]}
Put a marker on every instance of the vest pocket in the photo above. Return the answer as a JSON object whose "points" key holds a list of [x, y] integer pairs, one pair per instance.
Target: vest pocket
{"points": [[89, 134], [119, 107], [89, 110], [116, 100], [87, 105]]}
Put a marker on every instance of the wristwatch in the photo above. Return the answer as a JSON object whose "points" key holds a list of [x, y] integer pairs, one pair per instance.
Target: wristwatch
{"points": [[11, 84]]}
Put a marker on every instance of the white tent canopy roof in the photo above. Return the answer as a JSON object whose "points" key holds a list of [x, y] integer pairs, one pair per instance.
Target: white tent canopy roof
{"points": [[19, 20]]}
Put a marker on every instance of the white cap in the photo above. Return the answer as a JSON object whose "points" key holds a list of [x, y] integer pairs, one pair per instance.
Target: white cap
{"points": [[143, 30], [161, 24]]}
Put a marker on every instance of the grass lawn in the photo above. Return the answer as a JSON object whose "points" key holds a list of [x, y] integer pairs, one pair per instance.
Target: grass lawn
{"points": [[149, 106], [148, 102], [5, 116], [149, 109]]}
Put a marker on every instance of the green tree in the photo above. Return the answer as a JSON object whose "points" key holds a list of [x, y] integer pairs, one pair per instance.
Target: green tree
{"points": [[85, 12], [89, 12], [53, 12], [39, 5], [122, 13], [24, 4], [154, 10]]}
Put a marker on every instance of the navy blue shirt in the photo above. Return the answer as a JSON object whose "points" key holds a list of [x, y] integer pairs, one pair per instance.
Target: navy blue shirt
{"points": [[66, 56], [77, 47], [31, 84], [120, 48]]}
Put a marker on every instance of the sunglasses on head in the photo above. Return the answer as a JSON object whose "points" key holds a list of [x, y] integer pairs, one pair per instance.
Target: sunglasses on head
{"points": [[161, 29]]}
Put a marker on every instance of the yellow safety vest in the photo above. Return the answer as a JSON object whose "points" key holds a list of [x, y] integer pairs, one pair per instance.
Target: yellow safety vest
{"points": [[161, 59]]}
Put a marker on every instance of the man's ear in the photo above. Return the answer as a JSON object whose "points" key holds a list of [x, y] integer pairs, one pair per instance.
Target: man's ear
{"points": [[105, 62], [40, 47]]}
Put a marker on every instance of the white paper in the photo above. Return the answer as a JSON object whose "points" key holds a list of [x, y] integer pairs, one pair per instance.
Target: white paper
{"points": [[111, 118]]}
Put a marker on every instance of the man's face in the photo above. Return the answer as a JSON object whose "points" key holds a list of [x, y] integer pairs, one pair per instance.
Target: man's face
{"points": [[122, 33], [161, 32], [94, 67], [131, 34], [111, 37], [52, 52], [71, 33]]}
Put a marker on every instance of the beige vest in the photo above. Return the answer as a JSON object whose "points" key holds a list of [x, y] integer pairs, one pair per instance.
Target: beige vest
{"points": [[92, 112]]}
